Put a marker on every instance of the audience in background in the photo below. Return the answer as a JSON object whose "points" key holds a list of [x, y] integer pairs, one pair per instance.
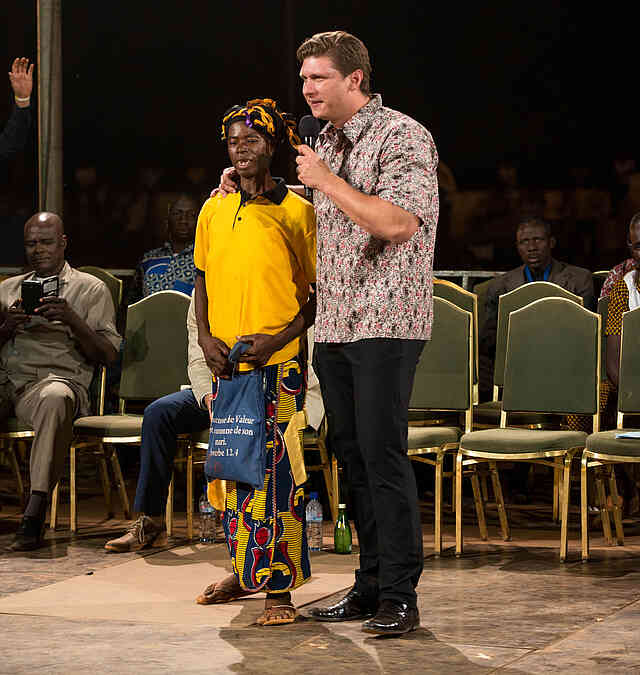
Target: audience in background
{"points": [[16, 132], [535, 245], [624, 296], [170, 267], [47, 359]]}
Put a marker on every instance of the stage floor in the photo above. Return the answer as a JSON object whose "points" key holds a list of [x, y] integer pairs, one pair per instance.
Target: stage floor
{"points": [[505, 607]]}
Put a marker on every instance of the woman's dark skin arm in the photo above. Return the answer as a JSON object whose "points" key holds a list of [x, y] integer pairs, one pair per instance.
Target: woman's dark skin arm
{"points": [[215, 350], [613, 359]]}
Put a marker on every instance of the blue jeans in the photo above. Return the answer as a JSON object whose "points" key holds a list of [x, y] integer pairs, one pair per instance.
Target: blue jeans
{"points": [[164, 419]]}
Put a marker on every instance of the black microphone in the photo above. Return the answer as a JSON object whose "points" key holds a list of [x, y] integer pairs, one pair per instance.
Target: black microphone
{"points": [[309, 128]]}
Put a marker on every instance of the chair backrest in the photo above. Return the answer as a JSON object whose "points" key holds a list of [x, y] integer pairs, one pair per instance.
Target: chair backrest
{"points": [[154, 361], [513, 300], [466, 300], [553, 359], [481, 289], [603, 310], [113, 283], [444, 376], [629, 379]]}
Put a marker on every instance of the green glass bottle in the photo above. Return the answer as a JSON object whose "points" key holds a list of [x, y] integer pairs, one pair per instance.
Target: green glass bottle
{"points": [[342, 531]]}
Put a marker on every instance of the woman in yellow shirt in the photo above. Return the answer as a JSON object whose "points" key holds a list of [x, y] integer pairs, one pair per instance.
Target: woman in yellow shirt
{"points": [[255, 264]]}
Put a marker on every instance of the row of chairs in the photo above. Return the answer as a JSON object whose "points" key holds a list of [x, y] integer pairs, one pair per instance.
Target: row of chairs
{"points": [[154, 364], [548, 363]]}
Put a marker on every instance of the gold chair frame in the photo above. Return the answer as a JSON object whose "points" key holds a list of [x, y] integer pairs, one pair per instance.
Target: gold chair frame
{"points": [[561, 462], [417, 454]]}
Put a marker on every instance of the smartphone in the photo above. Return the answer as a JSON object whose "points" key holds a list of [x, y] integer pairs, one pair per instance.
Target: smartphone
{"points": [[32, 290]]}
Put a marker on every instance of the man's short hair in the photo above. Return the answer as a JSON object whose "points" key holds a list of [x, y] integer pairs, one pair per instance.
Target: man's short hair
{"points": [[635, 220], [346, 51], [535, 221]]}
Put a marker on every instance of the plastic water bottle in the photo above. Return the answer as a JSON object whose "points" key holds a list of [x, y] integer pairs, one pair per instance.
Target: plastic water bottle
{"points": [[207, 519], [313, 515], [342, 531]]}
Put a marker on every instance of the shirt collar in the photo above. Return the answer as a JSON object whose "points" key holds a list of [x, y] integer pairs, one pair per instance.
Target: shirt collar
{"points": [[63, 275], [275, 195], [354, 126]]}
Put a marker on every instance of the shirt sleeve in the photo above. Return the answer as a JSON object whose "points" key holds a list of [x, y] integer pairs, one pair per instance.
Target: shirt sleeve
{"points": [[618, 305], [199, 373], [307, 247], [408, 164], [16, 132], [201, 249], [101, 314]]}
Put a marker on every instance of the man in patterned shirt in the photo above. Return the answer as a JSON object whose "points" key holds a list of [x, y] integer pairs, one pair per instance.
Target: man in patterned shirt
{"points": [[170, 267], [624, 296], [373, 173]]}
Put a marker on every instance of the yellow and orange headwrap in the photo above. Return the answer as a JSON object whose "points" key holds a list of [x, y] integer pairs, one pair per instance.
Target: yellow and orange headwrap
{"points": [[263, 115]]}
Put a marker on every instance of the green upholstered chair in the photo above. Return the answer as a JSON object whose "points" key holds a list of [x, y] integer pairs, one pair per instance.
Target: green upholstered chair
{"points": [[112, 283], [603, 310], [443, 383], [603, 449], [552, 366], [12, 434], [488, 414], [468, 301], [154, 364], [315, 442]]}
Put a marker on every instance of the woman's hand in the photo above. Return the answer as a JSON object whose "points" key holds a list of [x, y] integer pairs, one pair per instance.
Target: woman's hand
{"points": [[263, 347], [215, 354]]}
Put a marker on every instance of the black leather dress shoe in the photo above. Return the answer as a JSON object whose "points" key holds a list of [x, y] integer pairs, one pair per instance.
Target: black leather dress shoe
{"points": [[353, 606], [392, 618], [29, 535]]}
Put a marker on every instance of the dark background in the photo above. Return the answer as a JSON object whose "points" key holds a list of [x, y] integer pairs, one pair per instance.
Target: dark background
{"points": [[546, 85]]}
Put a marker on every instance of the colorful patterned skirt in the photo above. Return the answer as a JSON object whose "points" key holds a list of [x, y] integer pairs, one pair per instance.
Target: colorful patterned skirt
{"points": [[265, 529]]}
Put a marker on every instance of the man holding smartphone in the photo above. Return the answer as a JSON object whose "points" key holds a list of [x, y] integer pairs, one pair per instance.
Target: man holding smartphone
{"points": [[47, 359]]}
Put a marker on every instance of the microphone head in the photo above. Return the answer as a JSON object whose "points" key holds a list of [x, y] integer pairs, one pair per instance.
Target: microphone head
{"points": [[308, 126]]}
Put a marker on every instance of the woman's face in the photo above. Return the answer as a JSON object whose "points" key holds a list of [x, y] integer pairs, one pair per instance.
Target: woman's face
{"points": [[249, 151]]}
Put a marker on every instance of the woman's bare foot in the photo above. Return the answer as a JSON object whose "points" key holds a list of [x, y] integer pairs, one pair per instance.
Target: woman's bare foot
{"points": [[222, 591]]}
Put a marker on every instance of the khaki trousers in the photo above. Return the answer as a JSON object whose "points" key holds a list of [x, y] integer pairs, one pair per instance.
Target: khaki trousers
{"points": [[49, 407]]}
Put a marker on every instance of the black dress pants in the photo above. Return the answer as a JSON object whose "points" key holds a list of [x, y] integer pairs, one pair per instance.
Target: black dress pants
{"points": [[366, 386]]}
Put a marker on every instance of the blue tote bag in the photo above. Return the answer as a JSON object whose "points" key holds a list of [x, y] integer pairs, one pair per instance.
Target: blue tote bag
{"points": [[237, 437]]}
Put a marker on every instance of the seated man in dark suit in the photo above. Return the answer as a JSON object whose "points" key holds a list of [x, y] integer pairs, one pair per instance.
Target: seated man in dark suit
{"points": [[535, 244]]}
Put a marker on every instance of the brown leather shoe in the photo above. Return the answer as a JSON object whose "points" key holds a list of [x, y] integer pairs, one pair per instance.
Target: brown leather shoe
{"points": [[142, 533]]}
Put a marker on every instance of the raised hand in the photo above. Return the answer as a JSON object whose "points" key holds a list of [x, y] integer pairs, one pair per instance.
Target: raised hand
{"points": [[21, 78]]}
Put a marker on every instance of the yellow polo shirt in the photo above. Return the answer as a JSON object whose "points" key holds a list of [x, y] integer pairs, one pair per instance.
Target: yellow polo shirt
{"points": [[259, 258]]}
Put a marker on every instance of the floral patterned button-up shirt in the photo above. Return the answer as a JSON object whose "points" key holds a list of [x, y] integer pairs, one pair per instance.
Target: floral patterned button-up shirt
{"points": [[367, 287]]}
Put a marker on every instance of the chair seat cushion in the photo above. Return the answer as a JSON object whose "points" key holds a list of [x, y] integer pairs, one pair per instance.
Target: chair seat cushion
{"points": [[109, 425], [201, 436], [513, 441], [606, 443], [13, 425], [431, 437]]}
